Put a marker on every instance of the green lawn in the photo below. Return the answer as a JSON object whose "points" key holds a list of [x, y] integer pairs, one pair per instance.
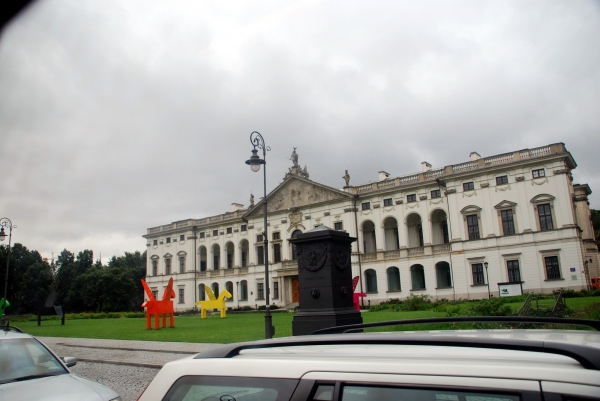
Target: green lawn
{"points": [[235, 327]]}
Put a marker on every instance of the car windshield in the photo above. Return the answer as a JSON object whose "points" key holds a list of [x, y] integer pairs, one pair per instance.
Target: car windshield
{"points": [[26, 358]]}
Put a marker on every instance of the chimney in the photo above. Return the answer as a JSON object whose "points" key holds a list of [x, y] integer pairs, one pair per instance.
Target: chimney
{"points": [[425, 167], [474, 156], [383, 175], [236, 206]]}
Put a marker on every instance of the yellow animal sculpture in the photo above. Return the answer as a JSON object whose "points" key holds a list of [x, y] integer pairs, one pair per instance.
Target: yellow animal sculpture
{"points": [[213, 302]]}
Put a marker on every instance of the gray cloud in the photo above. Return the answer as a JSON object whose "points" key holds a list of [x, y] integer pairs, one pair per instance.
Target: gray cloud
{"points": [[121, 115]]}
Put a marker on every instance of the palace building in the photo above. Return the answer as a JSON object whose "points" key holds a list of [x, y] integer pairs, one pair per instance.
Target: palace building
{"points": [[463, 231]]}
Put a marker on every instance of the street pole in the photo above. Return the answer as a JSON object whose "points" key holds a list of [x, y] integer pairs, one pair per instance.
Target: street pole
{"points": [[255, 162], [5, 222], [487, 279]]}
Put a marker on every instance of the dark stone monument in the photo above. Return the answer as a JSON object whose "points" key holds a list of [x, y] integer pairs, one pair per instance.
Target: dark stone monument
{"points": [[325, 280]]}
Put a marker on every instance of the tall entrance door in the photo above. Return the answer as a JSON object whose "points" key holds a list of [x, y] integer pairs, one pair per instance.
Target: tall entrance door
{"points": [[295, 289]]}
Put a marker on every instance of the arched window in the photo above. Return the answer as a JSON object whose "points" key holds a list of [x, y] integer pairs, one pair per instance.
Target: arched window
{"points": [[244, 252], [215, 288], [229, 247], [371, 280], [414, 230], [229, 288], [393, 277], [439, 227], [369, 240], [417, 276], [243, 290], [203, 258], [392, 240], [216, 252], [443, 275], [201, 293], [295, 235]]}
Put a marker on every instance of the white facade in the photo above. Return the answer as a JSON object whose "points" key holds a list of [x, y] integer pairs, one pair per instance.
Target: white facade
{"points": [[518, 212]]}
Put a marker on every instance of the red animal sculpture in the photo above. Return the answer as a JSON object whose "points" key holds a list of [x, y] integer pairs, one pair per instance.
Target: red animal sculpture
{"points": [[162, 307], [356, 295]]}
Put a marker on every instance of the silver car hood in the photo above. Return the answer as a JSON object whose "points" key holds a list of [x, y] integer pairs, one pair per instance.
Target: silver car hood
{"points": [[67, 387]]}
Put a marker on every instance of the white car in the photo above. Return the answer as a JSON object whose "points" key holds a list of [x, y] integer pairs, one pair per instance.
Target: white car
{"points": [[30, 371], [461, 365]]}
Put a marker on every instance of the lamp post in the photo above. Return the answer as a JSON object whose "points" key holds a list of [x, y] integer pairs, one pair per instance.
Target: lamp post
{"points": [[5, 222], [487, 278], [255, 162]]}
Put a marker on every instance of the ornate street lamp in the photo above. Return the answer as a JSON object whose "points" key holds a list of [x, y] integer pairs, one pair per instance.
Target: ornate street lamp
{"points": [[255, 162], [5, 222], [487, 278]]}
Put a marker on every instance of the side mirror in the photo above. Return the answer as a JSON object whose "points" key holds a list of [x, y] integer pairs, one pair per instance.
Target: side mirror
{"points": [[69, 360]]}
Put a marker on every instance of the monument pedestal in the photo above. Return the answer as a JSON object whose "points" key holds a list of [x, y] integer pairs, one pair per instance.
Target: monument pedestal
{"points": [[325, 281]]}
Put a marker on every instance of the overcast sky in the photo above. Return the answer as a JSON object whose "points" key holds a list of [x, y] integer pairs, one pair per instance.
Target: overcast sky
{"points": [[117, 116]]}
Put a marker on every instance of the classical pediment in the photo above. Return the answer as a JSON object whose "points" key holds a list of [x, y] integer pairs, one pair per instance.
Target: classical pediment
{"points": [[471, 209], [296, 192], [505, 205], [542, 198]]}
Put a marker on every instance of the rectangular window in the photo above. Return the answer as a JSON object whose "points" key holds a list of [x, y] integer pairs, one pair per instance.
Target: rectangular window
{"points": [[366, 205], [260, 291], [473, 226], [182, 237], [260, 238], [388, 202], [216, 262], [168, 240], [508, 224], [155, 242], [468, 186], [276, 235], [203, 265], [513, 270], [167, 266], [202, 235], [411, 198], [503, 179], [276, 253], [539, 173], [155, 267], [244, 255], [181, 264], [229, 230], [436, 193], [545, 214], [181, 294], [244, 227], [215, 233], [338, 225], [275, 289], [477, 273], [155, 294], [552, 268], [260, 255]]}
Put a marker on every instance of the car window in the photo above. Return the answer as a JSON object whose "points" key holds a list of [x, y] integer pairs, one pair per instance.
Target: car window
{"points": [[381, 393], [24, 357], [210, 388]]}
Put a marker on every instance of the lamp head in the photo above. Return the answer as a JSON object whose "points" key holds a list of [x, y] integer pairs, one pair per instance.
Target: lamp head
{"points": [[254, 161], [2, 234]]}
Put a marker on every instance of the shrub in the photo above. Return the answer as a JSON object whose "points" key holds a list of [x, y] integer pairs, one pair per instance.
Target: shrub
{"points": [[490, 307], [417, 302]]}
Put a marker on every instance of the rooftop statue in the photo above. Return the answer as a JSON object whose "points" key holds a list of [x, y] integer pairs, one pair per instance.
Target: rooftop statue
{"points": [[296, 169]]}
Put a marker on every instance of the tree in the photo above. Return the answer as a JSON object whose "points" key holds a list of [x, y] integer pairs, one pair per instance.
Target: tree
{"points": [[20, 259], [35, 286]]}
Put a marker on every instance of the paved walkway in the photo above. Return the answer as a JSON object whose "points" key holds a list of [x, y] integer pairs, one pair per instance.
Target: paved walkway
{"points": [[125, 366]]}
